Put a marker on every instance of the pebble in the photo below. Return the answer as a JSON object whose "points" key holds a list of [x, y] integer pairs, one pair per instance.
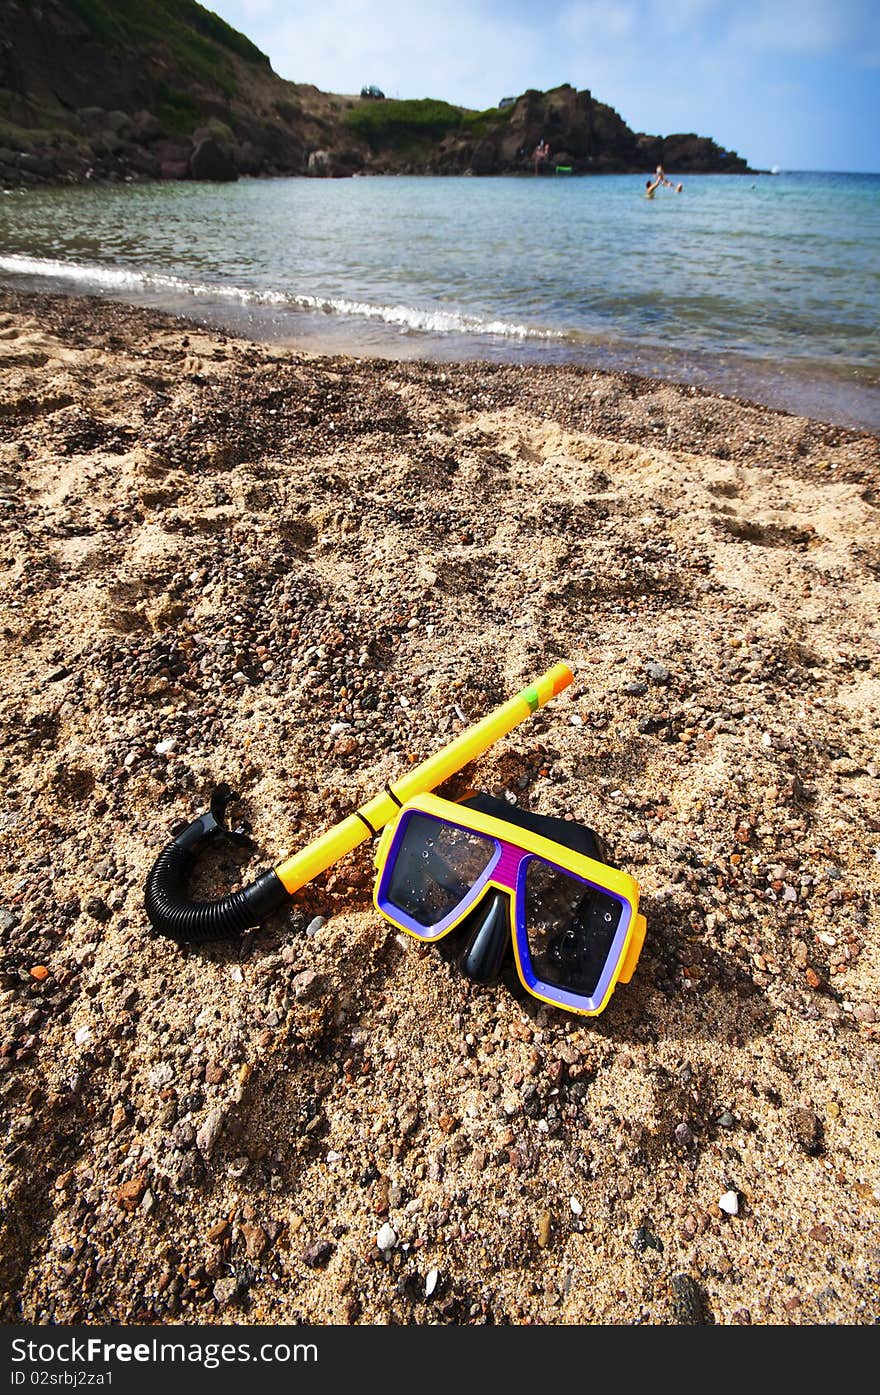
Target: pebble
{"points": [[729, 1204], [226, 1291], [683, 1135], [255, 1238], [210, 1131], [688, 1302], [317, 1255], [576, 1206], [726, 1120], [82, 1036], [163, 748], [315, 924], [131, 1193], [645, 1239], [431, 1281], [304, 983], [806, 1128], [387, 1238], [635, 689], [657, 672], [544, 1229]]}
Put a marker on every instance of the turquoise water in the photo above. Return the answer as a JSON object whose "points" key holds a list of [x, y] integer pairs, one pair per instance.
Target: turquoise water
{"points": [[765, 287]]}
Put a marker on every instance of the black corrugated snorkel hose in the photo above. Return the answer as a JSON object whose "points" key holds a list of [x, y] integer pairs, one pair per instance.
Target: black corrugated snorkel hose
{"points": [[169, 909]]}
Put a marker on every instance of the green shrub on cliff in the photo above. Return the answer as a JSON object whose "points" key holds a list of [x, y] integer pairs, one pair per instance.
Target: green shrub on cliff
{"points": [[398, 124]]}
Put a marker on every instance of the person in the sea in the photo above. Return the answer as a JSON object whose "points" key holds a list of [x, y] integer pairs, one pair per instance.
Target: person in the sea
{"points": [[655, 183], [662, 178]]}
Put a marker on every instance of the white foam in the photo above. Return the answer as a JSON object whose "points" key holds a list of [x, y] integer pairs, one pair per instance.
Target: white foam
{"points": [[409, 318]]}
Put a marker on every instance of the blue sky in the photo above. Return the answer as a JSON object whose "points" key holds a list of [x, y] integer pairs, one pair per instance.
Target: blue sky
{"points": [[793, 83]]}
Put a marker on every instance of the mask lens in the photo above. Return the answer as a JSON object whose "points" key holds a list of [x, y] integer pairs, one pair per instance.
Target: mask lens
{"points": [[435, 868], [570, 927]]}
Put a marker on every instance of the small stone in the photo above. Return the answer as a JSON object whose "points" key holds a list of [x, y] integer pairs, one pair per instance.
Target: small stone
{"points": [[635, 689], [226, 1291], [645, 1239], [576, 1206], [387, 1238], [683, 1135], [726, 1120], [729, 1204], [163, 748], [806, 1128], [217, 1232], [97, 909], [304, 983], [82, 1036], [689, 1306], [210, 1131], [131, 1193], [544, 1221], [39, 972], [314, 925], [657, 672], [255, 1238], [317, 1255]]}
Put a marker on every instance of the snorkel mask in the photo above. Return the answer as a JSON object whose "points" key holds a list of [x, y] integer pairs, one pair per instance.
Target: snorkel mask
{"points": [[496, 872]]}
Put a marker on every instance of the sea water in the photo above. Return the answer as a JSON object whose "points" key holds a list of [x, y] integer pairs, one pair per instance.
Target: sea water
{"points": [[765, 287]]}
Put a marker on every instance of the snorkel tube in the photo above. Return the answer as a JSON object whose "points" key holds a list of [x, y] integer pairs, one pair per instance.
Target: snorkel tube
{"points": [[169, 910]]}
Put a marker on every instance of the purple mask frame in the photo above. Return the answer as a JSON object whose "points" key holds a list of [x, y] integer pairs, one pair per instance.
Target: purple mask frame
{"points": [[507, 869]]}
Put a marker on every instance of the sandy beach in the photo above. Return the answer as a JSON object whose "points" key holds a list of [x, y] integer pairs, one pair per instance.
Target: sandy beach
{"points": [[300, 574]]}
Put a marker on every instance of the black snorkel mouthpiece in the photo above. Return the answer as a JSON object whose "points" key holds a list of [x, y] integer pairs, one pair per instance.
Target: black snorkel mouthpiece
{"points": [[488, 929]]}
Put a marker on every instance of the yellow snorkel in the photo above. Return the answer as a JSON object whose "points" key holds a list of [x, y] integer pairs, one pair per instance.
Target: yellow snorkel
{"points": [[171, 913]]}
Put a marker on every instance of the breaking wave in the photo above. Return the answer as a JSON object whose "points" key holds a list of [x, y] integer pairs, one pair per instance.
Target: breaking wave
{"points": [[409, 318]]}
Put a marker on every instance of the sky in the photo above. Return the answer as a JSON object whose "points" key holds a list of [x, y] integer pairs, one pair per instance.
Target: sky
{"points": [[787, 83]]}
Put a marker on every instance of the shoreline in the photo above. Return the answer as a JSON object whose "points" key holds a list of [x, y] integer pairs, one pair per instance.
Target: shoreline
{"points": [[377, 332], [234, 548]]}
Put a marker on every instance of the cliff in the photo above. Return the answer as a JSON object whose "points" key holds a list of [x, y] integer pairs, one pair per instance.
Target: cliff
{"points": [[112, 90]]}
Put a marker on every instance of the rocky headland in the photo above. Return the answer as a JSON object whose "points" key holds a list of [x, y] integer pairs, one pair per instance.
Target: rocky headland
{"points": [[147, 89]]}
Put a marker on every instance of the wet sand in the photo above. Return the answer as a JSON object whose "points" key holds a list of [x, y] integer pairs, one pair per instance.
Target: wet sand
{"points": [[224, 561]]}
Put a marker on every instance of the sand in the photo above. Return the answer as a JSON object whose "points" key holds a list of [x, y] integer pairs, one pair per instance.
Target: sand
{"points": [[236, 549]]}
